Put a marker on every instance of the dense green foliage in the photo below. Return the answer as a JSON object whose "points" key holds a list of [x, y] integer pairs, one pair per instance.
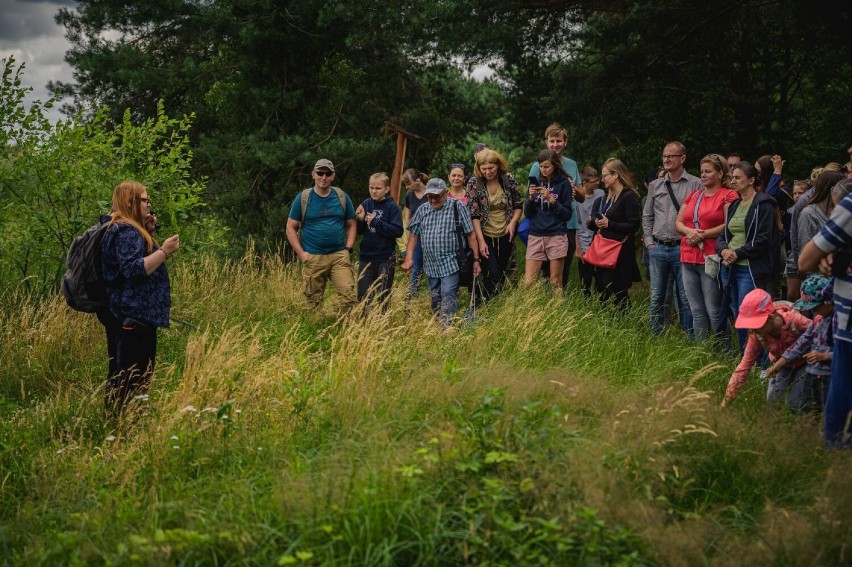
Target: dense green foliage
{"points": [[551, 432], [277, 84], [57, 180]]}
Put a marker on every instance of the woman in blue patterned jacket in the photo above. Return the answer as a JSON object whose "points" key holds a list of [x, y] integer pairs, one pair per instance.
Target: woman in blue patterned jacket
{"points": [[134, 269]]}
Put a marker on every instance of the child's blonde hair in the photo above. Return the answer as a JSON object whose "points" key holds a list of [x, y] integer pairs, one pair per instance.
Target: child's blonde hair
{"points": [[381, 176]]}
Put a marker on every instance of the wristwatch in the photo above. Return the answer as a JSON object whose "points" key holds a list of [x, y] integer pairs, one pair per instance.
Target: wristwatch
{"points": [[348, 249]]}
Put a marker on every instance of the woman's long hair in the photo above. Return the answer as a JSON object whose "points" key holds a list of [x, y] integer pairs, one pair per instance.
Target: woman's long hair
{"points": [[558, 170], [127, 208], [767, 168], [487, 156], [617, 167], [412, 175], [822, 190]]}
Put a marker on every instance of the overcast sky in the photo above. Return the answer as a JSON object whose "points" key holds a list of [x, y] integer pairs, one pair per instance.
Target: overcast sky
{"points": [[29, 32]]}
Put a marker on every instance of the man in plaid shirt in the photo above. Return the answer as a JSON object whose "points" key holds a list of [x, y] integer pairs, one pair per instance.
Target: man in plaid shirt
{"points": [[834, 243], [435, 227]]}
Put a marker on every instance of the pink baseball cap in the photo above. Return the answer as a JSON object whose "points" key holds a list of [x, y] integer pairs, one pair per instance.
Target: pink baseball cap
{"points": [[756, 308]]}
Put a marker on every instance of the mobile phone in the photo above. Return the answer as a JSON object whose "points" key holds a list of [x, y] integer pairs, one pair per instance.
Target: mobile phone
{"points": [[598, 216], [533, 180]]}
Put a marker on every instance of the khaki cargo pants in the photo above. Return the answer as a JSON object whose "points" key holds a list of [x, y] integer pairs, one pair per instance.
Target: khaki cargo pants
{"points": [[319, 268]]}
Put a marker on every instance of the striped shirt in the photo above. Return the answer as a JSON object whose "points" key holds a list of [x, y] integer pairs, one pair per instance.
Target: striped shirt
{"points": [[837, 235], [436, 230]]}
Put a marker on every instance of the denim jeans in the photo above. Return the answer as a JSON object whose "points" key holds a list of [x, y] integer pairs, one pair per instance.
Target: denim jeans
{"points": [[705, 300], [444, 295], [416, 270], [838, 406], [665, 260], [740, 281], [795, 387]]}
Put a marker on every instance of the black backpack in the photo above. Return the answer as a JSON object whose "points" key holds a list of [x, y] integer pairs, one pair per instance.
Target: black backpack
{"points": [[83, 286]]}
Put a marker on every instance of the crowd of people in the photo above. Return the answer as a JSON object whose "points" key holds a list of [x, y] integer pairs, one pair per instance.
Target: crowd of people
{"points": [[735, 248]]}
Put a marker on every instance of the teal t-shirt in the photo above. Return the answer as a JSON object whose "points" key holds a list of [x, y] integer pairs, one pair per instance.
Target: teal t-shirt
{"points": [[323, 231]]}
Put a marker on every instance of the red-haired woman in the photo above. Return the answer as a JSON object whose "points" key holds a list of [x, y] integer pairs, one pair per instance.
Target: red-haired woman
{"points": [[133, 267]]}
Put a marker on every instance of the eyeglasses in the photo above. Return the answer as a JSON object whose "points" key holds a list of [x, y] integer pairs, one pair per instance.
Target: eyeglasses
{"points": [[603, 175], [432, 197], [592, 180], [146, 201], [324, 173], [672, 156]]}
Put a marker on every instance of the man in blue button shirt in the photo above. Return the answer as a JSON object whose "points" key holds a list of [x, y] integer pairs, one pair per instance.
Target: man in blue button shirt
{"points": [[328, 234], [435, 227]]}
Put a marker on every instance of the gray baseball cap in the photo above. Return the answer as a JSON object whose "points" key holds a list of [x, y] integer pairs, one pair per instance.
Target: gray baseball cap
{"points": [[435, 186], [324, 164]]}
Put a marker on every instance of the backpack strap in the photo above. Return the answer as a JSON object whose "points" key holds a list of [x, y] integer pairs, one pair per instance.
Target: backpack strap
{"points": [[305, 197], [342, 196]]}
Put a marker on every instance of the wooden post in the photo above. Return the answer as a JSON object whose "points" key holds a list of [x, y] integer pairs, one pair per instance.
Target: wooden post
{"points": [[402, 138], [398, 164]]}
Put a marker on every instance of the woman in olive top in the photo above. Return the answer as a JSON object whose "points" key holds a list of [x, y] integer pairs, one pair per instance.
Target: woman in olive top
{"points": [[495, 207], [750, 227]]}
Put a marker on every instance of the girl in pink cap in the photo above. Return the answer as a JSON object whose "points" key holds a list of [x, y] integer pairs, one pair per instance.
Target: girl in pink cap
{"points": [[773, 327]]}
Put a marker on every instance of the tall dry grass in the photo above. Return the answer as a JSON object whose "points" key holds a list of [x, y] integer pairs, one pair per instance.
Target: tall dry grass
{"points": [[378, 439]]}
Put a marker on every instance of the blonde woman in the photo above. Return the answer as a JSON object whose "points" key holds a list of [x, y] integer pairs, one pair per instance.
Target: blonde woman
{"points": [[134, 269], [617, 217], [700, 220], [494, 203]]}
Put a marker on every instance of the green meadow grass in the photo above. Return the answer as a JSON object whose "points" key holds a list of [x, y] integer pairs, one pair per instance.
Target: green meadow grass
{"points": [[550, 432]]}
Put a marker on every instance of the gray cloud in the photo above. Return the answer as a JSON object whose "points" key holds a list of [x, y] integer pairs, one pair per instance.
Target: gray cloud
{"points": [[29, 33]]}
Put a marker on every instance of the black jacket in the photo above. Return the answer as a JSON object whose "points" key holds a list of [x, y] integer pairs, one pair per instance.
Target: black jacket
{"points": [[762, 235]]}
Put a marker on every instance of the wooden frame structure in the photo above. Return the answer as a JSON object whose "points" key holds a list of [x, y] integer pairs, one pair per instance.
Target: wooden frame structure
{"points": [[402, 137]]}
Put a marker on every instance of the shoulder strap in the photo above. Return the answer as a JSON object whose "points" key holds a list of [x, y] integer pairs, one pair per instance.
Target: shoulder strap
{"points": [[342, 196], [671, 194], [305, 197], [695, 210]]}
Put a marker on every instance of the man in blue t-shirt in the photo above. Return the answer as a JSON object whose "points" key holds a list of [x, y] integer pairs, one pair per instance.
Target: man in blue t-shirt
{"points": [[327, 219]]}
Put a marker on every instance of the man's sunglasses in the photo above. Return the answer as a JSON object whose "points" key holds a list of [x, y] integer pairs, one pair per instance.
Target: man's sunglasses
{"points": [[324, 173]]}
